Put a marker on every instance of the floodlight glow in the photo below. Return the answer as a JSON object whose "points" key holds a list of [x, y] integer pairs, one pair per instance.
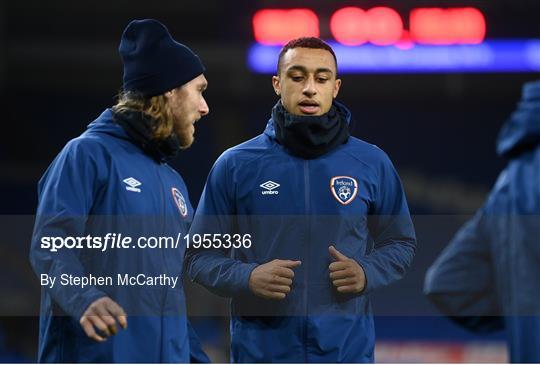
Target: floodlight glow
{"points": [[350, 26], [447, 26], [386, 26], [278, 26], [353, 26], [490, 56]]}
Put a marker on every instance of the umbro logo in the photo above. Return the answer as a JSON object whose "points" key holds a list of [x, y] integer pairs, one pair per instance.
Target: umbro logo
{"points": [[132, 184], [269, 188]]}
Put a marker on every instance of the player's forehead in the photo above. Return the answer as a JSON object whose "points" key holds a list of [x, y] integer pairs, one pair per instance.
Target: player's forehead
{"points": [[198, 82], [309, 59]]}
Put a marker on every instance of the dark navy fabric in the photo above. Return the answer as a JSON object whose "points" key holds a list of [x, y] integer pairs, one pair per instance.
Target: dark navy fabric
{"points": [[314, 323], [82, 193], [488, 277], [153, 61]]}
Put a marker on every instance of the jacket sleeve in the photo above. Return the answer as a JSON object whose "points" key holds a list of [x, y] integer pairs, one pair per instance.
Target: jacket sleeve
{"points": [[392, 231], [461, 281], [65, 196], [214, 268], [196, 352]]}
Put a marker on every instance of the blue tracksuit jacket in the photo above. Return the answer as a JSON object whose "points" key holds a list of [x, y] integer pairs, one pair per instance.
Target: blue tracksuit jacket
{"points": [[489, 275], [103, 183], [294, 209]]}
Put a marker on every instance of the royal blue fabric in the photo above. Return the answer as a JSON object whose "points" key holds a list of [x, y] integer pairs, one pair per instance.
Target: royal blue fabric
{"points": [[83, 193], [488, 277], [314, 323]]}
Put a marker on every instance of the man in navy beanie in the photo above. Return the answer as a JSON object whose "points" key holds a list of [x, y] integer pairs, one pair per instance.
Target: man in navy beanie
{"points": [[103, 302]]}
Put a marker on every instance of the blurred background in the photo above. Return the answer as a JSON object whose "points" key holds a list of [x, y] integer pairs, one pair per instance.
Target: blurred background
{"points": [[431, 87]]}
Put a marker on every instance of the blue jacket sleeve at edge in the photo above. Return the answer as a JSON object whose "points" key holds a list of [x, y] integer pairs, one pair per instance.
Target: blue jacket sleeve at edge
{"points": [[392, 231], [214, 268], [461, 281], [196, 352], [65, 196]]}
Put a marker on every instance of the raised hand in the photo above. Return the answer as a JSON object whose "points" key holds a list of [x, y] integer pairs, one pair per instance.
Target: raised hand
{"points": [[346, 274]]}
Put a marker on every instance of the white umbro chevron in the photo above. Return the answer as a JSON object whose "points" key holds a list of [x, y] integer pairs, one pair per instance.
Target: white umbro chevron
{"points": [[269, 187], [132, 184]]}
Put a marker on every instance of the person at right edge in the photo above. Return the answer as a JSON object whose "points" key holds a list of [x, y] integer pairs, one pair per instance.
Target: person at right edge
{"points": [[488, 277], [327, 217]]}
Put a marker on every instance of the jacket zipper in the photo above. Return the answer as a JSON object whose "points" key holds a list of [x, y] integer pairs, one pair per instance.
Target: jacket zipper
{"points": [[163, 208], [305, 263], [163, 253]]}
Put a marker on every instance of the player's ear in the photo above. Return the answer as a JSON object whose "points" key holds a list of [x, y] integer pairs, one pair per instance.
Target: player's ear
{"points": [[337, 85], [276, 83], [168, 94]]}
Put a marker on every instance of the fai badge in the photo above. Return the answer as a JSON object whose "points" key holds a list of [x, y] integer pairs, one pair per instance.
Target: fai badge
{"points": [[180, 201], [344, 189]]}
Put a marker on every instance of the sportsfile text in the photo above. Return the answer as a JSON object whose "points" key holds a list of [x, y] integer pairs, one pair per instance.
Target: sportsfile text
{"points": [[109, 241], [121, 241]]}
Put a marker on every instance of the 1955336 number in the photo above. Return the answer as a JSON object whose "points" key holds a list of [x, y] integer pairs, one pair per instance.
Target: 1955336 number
{"points": [[217, 240]]}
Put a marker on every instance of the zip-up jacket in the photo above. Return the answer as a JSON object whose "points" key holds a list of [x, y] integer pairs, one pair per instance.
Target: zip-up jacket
{"points": [[488, 277], [102, 183], [294, 208]]}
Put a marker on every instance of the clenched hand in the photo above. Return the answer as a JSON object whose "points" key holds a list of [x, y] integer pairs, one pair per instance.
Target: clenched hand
{"points": [[346, 274], [273, 280], [103, 314]]}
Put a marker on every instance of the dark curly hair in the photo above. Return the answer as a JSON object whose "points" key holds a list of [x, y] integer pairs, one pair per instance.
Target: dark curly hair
{"points": [[305, 42]]}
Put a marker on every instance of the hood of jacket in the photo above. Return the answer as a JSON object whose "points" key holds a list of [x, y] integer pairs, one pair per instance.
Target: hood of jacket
{"points": [[522, 131], [105, 124]]}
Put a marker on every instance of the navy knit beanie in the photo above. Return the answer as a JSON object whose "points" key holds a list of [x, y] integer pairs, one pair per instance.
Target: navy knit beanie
{"points": [[154, 62]]}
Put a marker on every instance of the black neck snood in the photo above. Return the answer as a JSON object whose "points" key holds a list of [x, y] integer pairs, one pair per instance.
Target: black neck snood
{"points": [[140, 129], [310, 137]]}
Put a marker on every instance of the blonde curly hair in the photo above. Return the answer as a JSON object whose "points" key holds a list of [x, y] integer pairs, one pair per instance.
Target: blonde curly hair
{"points": [[156, 107]]}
